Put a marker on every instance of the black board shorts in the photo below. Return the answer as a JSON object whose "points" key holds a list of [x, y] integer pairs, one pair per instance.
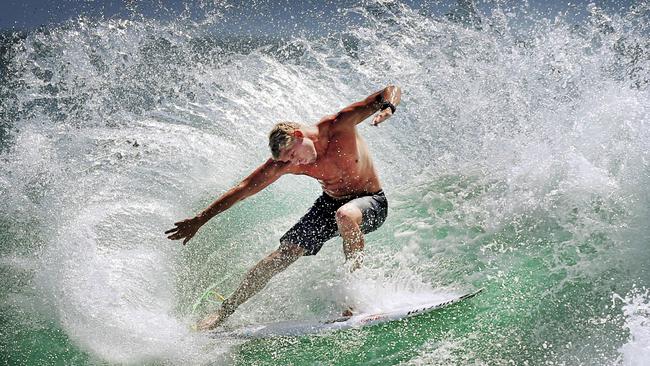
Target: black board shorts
{"points": [[318, 225]]}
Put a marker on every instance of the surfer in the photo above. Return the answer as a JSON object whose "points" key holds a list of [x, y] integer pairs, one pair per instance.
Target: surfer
{"points": [[352, 203]]}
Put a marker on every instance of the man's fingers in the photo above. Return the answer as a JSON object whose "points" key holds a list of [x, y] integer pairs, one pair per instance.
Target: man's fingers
{"points": [[381, 118], [187, 239], [183, 229], [177, 235]]}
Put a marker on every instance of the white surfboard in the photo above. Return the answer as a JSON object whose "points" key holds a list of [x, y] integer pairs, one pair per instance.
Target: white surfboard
{"points": [[298, 328]]}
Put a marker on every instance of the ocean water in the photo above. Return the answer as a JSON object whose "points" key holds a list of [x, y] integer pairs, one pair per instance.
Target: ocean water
{"points": [[518, 161]]}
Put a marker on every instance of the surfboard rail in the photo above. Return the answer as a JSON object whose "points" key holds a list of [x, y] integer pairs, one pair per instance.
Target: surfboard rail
{"points": [[298, 328]]}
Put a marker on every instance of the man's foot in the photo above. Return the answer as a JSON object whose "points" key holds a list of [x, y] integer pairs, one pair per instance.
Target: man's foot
{"points": [[212, 321], [347, 312]]}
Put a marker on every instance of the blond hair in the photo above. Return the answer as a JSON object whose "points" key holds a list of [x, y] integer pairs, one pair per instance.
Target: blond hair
{"points": [[281, 137]]}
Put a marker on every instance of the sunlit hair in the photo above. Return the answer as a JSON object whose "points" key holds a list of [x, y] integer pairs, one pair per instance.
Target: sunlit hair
{"points": [[281, 137]]}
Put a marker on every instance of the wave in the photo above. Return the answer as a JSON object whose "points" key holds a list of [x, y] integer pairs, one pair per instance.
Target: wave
{"points": [[518, 162]]}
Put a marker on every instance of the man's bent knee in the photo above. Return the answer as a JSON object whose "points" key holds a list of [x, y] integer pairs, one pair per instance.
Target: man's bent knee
{"points": [[348, 214]]}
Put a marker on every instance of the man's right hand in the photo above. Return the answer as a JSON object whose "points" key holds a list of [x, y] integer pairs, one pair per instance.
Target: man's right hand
{"points": [[185, 229]]}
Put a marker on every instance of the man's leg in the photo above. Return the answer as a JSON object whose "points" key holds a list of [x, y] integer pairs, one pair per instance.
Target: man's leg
{"points": [[348, 219], [255, 280]]}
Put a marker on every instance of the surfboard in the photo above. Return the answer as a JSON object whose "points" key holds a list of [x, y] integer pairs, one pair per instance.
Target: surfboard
{"points": [[299, 328]]}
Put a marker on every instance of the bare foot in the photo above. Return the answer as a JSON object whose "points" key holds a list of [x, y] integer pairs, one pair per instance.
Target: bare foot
{"points": [[347, 312], [211, 321]]}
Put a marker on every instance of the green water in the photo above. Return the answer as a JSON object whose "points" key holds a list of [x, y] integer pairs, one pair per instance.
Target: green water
{"points": [[34, 342], [536, 307]]}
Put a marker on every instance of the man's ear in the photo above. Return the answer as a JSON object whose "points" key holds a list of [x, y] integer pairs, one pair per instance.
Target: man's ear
{"points": [[298, 134]]}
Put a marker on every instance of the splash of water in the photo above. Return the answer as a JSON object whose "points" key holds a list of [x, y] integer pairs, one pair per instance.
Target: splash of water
{"points": [[635, 309], [518, 161]]}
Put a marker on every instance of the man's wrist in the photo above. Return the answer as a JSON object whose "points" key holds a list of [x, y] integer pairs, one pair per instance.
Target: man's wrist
{"points": [[386, 104], [203, 218]]}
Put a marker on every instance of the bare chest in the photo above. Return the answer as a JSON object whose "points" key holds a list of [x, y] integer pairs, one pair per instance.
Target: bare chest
{"points": [[345, 158]]}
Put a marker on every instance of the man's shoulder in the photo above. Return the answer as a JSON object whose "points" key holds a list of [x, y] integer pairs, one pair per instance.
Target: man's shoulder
{"points": [[331, 126], [326, 122]]}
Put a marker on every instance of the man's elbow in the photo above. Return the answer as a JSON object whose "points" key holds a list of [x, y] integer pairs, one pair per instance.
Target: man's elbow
{"points": [[392, 88], [393, 93], [253, 186]]}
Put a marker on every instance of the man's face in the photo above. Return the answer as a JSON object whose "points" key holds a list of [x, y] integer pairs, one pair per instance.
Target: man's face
{"points": [[302, 151]]}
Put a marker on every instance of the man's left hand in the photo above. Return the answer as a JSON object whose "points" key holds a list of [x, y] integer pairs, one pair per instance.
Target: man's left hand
{"points": [[382, 116]]}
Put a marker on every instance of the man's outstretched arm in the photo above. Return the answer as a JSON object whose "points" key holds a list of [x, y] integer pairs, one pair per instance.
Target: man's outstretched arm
{"points": [[259, 179], [385, 101]]}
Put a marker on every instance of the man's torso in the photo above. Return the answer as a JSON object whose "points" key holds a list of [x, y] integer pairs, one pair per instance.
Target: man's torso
{"points": [[346, 168]]}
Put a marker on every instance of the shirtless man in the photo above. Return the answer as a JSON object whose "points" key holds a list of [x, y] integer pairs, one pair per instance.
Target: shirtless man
{"points": [[351, 205]]}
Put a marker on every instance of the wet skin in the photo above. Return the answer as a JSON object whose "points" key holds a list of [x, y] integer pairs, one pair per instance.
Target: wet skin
{"points": [[340, 161], [331, 152]]}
